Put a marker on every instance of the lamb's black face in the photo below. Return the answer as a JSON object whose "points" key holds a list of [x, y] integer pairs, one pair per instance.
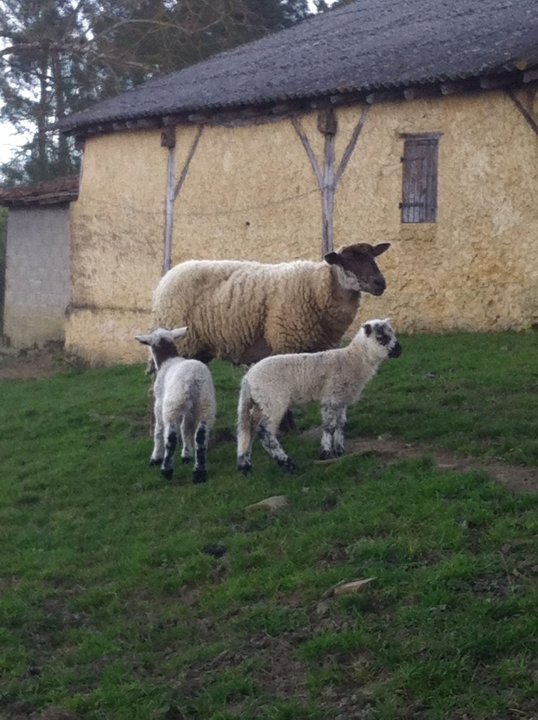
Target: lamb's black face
{"points": [[382, 332], [396, 350]]}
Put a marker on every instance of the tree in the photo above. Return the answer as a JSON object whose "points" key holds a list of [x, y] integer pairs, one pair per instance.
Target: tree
{"points": [[60, 56]]}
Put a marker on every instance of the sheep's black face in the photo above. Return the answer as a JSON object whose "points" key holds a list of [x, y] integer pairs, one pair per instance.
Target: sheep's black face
{"points": [[360, 269]]}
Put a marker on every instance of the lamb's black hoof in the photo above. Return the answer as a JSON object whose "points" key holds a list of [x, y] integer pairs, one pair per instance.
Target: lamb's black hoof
{"points": [[325, 455], [288, 465], [167, 473], [155, 461], [199, 476], [186, 460], [245, 468]]}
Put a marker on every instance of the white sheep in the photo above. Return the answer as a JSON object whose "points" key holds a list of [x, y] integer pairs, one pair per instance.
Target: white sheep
{"points": [[334, 378], [184, 403], [245, 311]]}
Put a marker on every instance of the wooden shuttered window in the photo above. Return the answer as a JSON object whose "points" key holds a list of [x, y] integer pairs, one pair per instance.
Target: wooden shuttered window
{"points": [[419, 178]]}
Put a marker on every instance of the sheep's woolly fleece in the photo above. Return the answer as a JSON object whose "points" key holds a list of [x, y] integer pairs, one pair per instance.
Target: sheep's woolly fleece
{"points": [[241, 311]]}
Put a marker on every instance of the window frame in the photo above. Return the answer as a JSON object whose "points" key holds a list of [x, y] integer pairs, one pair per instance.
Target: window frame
{"points": [[420, 177]]}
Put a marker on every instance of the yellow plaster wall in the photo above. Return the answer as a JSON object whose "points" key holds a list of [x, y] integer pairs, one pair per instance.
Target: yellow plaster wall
{"points": [[117, 245], [251, 193], [477, 267]]}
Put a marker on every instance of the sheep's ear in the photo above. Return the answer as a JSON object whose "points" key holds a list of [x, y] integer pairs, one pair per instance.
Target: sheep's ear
{"points": [[380, 249], [367, 329], [178, 333], [332, 258], [144, 339]]}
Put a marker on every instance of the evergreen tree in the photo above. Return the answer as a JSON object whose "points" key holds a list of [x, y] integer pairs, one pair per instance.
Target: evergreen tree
{"points": [[60, 56]]}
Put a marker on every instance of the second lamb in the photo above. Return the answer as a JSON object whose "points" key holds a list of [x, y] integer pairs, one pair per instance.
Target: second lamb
{"points": [[334, 378]]}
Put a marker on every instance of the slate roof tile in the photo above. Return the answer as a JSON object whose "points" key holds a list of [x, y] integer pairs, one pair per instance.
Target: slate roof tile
{"points": [[363, 46]]}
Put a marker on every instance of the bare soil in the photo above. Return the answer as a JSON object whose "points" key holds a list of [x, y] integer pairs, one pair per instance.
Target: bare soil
{"points": [[35, 362], [517, 478]]}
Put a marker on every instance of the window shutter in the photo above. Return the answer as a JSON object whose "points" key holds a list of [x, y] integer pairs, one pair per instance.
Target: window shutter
{"points": [[419, 184]]}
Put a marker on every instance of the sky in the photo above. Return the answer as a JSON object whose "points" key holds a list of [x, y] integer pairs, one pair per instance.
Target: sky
{"points": [[10, 139]]}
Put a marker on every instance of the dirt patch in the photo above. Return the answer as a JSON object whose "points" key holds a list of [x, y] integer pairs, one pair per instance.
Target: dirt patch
{"points": [[35, 362], [518, 478]]}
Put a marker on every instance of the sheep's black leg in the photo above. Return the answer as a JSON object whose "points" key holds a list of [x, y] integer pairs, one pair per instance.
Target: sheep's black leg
{"points": [[268, 439], [158, 440], [167, 468], [338, 435], [247, 419], [245, 440], [187, 439], [332, 437], [201, 442], [245, 437]]}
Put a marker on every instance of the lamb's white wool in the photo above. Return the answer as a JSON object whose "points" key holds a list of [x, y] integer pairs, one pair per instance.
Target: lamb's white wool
{"points": [[245, 311], [184, 404], [334, 378]]}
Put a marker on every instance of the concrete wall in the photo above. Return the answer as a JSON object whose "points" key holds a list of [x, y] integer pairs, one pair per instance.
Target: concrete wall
{"points": [[37, 275], [250, 192]]}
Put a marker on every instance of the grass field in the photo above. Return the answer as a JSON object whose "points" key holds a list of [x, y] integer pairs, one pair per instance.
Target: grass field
{"points": [[112, 608]]}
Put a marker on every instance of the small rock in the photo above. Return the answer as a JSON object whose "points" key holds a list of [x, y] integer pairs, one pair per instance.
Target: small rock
{"points": [[273, 504], [346, 588], [322, 608]]}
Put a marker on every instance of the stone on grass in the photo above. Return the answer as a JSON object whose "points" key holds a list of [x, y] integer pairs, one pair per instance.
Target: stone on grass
{"points": [[272, 504]]}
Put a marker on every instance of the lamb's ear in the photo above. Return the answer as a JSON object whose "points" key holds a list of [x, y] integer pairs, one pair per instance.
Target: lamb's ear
{"points": [[367, 329], [332, 258], [380, 249], [178, 333], [144, 339]]}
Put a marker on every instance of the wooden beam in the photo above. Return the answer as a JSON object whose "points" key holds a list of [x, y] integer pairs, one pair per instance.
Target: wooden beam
{"points": [[168, 136], [420, 91], [327, 123], [492, 83], [148, 123], [383, 96], [452, 88], [169, 208], [530, 75], [172, 119], [523, 110], [351, 144]]}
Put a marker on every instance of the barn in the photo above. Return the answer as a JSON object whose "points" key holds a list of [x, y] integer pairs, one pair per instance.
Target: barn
{"points": [[414, 123]]}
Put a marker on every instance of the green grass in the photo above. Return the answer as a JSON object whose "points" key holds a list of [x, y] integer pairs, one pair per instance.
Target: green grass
{"points": [[111, 609]]}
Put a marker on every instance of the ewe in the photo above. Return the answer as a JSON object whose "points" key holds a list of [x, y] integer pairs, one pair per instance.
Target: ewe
{"points": [[334, 378], [245, 311], [184, 401]]}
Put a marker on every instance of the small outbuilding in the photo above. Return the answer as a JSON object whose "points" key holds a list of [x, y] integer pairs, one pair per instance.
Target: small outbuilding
{"points": [[38, 269], [413, 122]]}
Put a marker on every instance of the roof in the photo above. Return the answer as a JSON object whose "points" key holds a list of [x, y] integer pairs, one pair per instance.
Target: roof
{"points": [[48, 192], [366, 45]]}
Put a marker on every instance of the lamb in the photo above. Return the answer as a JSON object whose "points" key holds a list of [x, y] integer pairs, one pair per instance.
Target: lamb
{"points": [[184, 400], [244, 311], [334, 378]]}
